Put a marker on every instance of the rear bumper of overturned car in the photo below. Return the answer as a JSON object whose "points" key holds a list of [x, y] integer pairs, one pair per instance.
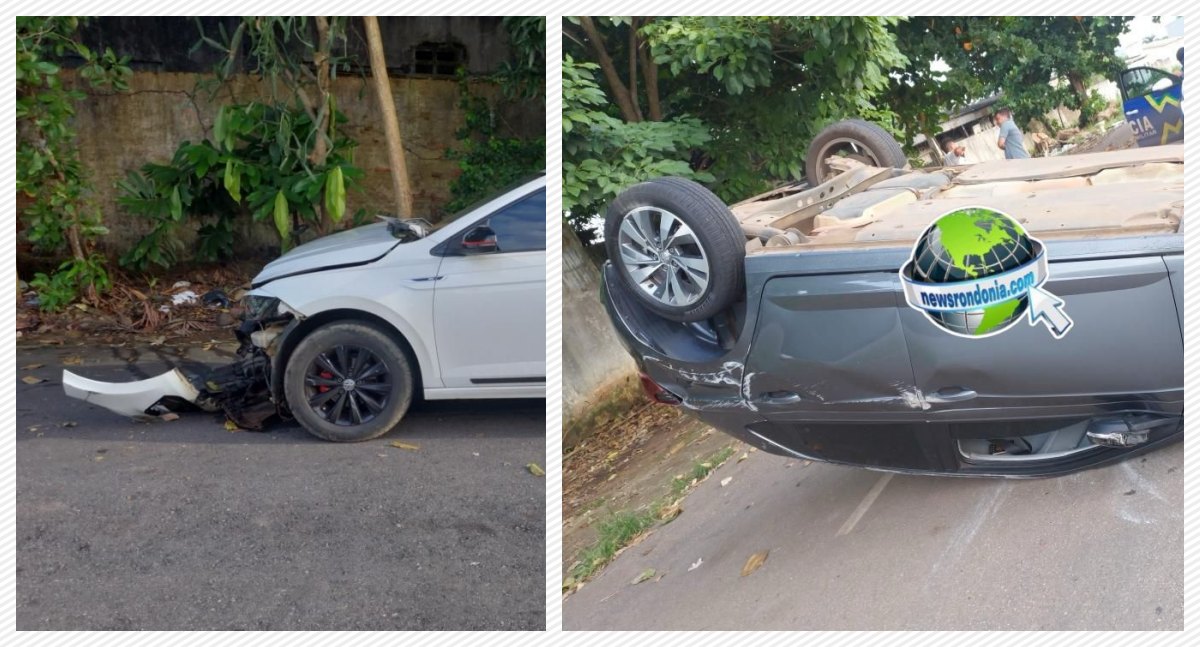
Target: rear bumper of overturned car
{"points": [[710, 387]]}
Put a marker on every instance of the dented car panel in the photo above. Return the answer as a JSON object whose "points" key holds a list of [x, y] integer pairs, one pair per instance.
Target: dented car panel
{"points": [[824, 360]]}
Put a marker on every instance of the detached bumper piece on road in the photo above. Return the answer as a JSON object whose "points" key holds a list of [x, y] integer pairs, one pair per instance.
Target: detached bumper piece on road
{"points": [[135, 399], [240, 389]]}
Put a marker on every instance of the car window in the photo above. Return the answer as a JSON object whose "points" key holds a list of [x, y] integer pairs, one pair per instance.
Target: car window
{"points": [[1140, 81], [521, 226]]}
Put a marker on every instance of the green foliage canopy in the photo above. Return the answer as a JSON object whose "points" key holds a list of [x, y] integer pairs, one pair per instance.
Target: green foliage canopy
{"points": [[734, 101]]}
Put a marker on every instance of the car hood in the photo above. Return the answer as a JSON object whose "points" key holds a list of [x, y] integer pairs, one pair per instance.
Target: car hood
{"points": [[356, 246]]}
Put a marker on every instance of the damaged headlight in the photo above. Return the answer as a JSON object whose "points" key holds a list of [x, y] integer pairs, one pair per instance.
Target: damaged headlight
{"points": [[260, 307]]}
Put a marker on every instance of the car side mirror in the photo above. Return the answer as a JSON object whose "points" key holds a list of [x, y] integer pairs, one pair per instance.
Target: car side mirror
{"points": [[480, 240]]}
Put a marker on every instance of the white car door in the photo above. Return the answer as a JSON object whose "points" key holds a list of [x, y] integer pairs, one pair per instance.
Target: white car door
{"points": [[490, 302]]}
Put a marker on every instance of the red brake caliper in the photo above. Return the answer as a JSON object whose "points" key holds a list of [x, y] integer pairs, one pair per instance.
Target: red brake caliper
{"points": [[327, 375]]}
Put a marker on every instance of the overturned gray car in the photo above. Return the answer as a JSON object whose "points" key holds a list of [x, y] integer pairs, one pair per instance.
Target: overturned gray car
{"points": [[783, 320]]}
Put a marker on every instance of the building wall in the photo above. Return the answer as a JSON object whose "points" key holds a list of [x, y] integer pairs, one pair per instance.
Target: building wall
{"points": [[118, 133], [167, 103], [165, 44]]}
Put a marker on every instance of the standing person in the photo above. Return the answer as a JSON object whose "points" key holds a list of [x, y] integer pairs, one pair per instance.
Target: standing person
{"points": [[956, 154], [1011, 141]]}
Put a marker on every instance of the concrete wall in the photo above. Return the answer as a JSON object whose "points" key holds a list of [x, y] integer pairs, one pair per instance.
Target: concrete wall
{"points": [[164, 43], [118, 133], [594, 362]]}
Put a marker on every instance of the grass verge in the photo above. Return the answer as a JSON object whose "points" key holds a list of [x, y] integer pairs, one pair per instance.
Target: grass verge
{"points": [[624, 526]]}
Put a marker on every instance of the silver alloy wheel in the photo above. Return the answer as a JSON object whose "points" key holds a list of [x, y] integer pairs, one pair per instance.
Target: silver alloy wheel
{"points": [[663, 256], [851, 148]]}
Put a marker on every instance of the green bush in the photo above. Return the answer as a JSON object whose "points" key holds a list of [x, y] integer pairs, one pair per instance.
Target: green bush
{"points": [[257, 167]]}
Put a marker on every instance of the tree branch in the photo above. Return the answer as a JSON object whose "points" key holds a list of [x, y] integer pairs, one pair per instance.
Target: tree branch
{"points": [[620, 92]]}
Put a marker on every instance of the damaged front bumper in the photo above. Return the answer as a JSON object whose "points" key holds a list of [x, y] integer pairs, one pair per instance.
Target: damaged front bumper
{"points": [[243, 389], [140, 399]]}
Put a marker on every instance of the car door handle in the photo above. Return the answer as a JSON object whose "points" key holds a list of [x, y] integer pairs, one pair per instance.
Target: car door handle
{"points": [[951, 394], [779, 397]]}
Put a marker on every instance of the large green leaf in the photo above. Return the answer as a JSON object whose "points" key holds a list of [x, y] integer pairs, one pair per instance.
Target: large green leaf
{"points": [[176, 204], [233, 180], [283, 222], [335, 194]]}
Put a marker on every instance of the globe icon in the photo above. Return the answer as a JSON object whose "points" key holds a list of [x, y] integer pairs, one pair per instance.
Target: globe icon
{"points": [[966, 245]]}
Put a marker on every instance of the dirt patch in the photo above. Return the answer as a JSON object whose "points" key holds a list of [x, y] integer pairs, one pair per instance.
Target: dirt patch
{"points": [[610, 402], [630, 464], [187, 303]]}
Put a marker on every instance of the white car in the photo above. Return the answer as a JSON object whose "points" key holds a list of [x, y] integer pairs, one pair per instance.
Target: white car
{"points": [[341, 332]]}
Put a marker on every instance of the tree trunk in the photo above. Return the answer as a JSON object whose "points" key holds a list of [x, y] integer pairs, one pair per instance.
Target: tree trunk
{"points": [[73, 238], [633, 72], [321, 62], [323, 143], [620, 92], [650, 73], [391, 125]]}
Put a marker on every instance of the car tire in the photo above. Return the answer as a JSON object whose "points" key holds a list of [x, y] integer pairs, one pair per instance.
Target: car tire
{"points": [[866, 142], [693, 273], [322, 370]]}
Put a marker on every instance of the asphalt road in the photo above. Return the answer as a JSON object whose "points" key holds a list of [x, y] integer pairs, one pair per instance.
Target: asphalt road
{"points": [[184, 525], [855, 549]]}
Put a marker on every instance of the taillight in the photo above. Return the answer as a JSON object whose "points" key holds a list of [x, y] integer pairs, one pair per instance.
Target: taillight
{"points": [[657, 393]]}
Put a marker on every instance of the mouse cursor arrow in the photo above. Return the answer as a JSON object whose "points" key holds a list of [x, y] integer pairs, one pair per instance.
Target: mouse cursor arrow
{"points": [[1048, 308]]}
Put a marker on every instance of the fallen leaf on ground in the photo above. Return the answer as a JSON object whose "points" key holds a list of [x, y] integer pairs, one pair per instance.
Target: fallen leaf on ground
{"points": [[158, 341], [696, 565], [535, 470], [669, 513], [30, 367], [169, 416], [231, 426], [755, 562], [98, 458], [29, 379], [401, 445], [73, 360], [725, 481], [645, 575], [744, 456]]}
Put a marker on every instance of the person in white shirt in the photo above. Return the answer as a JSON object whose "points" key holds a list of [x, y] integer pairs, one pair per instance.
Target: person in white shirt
{"points": [[956, 154]]}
